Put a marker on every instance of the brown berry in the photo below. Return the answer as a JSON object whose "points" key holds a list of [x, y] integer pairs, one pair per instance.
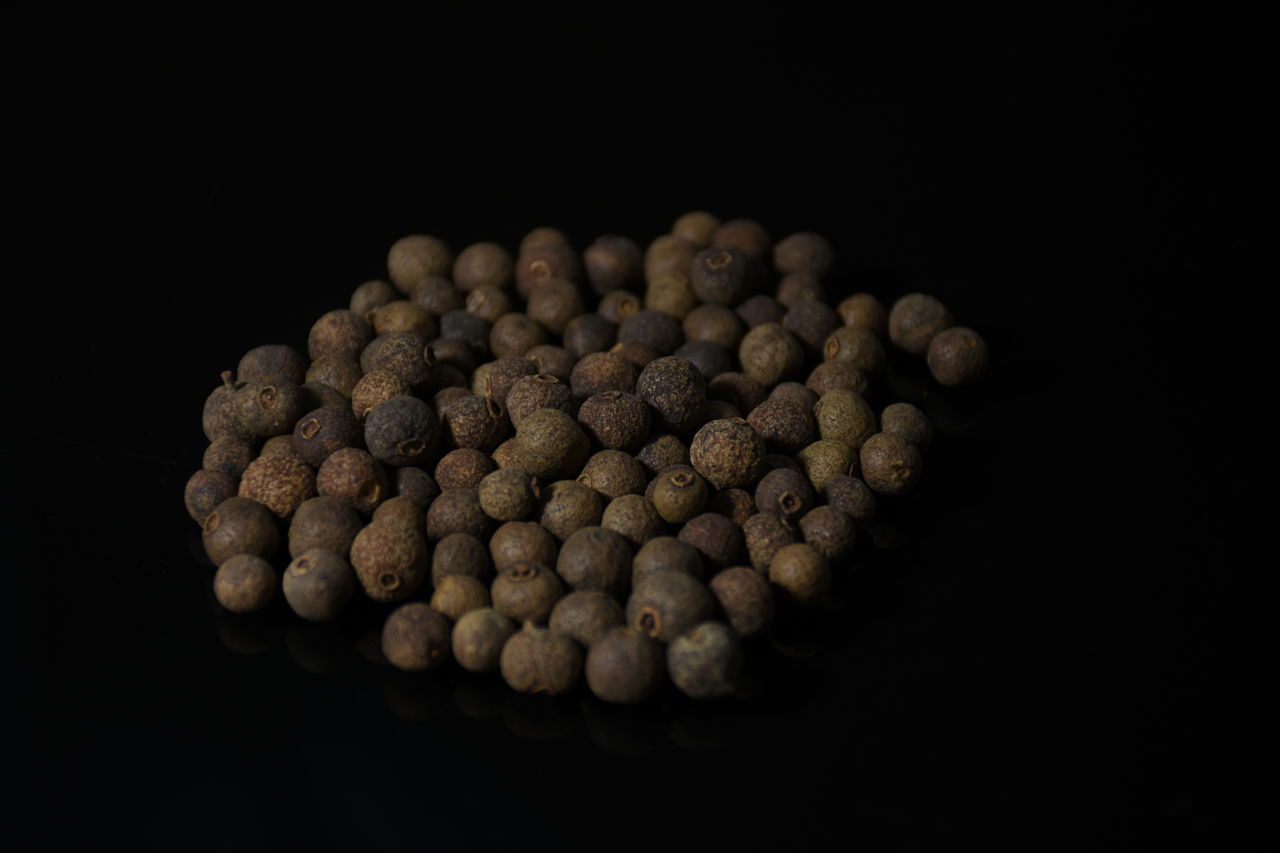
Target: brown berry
{"points": [[890, 465], [625, 666], [746, 598], [239, 525], [390, 560], [245, 583], [354, 477], [539, 660], [915, 319], [416, 638], [957, 356], [526, 592]]}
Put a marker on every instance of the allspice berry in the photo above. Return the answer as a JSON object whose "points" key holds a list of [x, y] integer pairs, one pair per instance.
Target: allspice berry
{"points": [[318, 584], [737, 505], [745, 234], [696, 226], [598, 372], [457, 511], [539, 660], [508, 494], [786, 425], [728, 453], [513, 333], [766, 533], [957, 356], [844, 416], [403, 316], [613, 262], [907, 422], [801, 574], [245, 583], [637, 353], [666, 604], [568, 506], [438, 295], [496, 378], [721, 276], [339, 372], [205, 490], [743, 392], [837, 376], [770, 353], [715, 323], [890, 465], [595, 558], [539, 391], [267, 363], [338, 332], [825, 459], [526, 592], [715, 537], [804, 252], [661, 452], [830, 531], [673, 388], [456, 595], [668, 255], [665, 554], [402, 511], [625, 666], [228, 454], [552, 360], [553, 303], [319, 433], [550, 444], [460, 554], [915, 319], [613, 473], [617, 305], [281, 483], [371, 295], [269, 408], [323, 523], [671, 293], [705, 662], [616, 419], [543, 263], [760, 309], [799, 287], [852, 497], [390, 561], [746, 598], [416, 638], [415, 257], [401, 354], [473, 421], [708, 357], [585, 615], [482, 264], [470, 328], [679, 495], [865, 311], [858, 346], [634, 517], [522, 542], [656, 328], [786, 492], [464, 467], [812, 322], [373, 389], [239, 526], [478, 638], [589, 333], [354, 477]]}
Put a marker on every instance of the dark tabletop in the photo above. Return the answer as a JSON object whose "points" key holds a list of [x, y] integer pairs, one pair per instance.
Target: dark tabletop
{"points": [[1033, 653]]}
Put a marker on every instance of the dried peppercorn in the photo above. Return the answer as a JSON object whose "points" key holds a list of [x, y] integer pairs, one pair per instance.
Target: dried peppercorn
{"points": [[400, 510], [568, 506], [661, 452], [402, 315], [679, 495], [271, 362], [338, 332], [522, 542], [281, 483], [205, 490], [552, 360], [915, 319], [401, 431], [770, 353], [526, 592], [715, 323], [760, 309], [766, 533], [656, 328], [228, 454], [673, 388], [696, 226], [390, 561], [514, 334], [267, 409], [783, 424], [318, 584], [708, 357], [798, 287], [239, 526], [478, 638], [322, 431], [957, 356], [668, 255], [543, 262], [413, 258], [483, 264], [737, 505], [416, 638], [625, 666], [438, 295], [890, 465], [844, 416], [671, 294], [616, 305], [585, 615], [596, 558], [508, 494], [801, 574], [745, 234], [589, 333], [340, 372], [464, 467], [323, 523], [402, 354], [865, 311], [634, 517], [804, 252], [245, 583], [738, 389], [715, 537], [539, 660], [495, 378], [613, 473], [786, 492], [551, 445], [705, 662], [825, 459], [811, 322], [370, 295], [837, 376], [373, 389], [460, 554], [354, 477], [746, 598], [728, 453], [598, 372], [553, 303], [666, 604], [858, 346], [852, 497], [457, 595], [470, 328], [907, 422], [665, 554], [618, 420], [474, 421], [830, 531], [722, 276], [612, 262], [457, 511]]}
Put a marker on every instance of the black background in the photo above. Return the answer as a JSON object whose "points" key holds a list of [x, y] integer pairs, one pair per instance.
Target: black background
{"points": [[1047, 657]]}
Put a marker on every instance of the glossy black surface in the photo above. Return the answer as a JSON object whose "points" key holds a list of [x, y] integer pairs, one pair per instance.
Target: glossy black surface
{"points": [[1033, 652]]}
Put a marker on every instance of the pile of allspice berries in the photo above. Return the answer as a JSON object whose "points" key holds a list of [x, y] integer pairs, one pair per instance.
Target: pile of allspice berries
{"points": [[613, 465]]}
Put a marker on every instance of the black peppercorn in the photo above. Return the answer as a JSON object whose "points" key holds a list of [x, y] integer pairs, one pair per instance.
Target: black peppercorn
{"points": [[245, 583], [401, 431], [321, 432], [625, 666], [318, 584], [416, 638], [401, 354]]}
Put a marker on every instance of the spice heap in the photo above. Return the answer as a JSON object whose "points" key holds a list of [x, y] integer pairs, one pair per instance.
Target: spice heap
{"points": [[558, 493]]}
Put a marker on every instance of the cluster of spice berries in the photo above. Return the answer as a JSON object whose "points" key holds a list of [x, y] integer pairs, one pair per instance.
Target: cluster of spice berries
{"points": [[613, 465]]}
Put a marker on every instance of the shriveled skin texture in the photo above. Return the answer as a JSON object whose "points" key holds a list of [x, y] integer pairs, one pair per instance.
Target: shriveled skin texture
{"points": [[503, 374], [457, 511], [825, 459], [464, 467], [526, 592], [729, 453], [413, 258], [634, 517], [766, 534], [865, 311], [551, 445], [890, 465], [245, 583], [852, 497], [661, 452], [596, 558], [322, 431], [721, 276], [746, 598], [856, 346], [568, 505], [845, 416], [599, 372], [522, 541], [625, 666], [613, 473], [401, 315], [679, 495], [338, 332], [739, 389], [616, 419], [318, 584], [239, 526], [769, 354], [281, 483], [915, 319], [459, 594], [706, 661], [785, 425], [830, 531], [221, 415], [401, 354], [323, 522], [717, 538], [837, 376], [205, 490], [475, 421], [957, 356], [585, 615], [354, 477], [658, 329], [508, 494], [801, 574], [269, 362], [269, 408], [737, 505], [905, 421], [539, 391], [673, 388], [478, 638], [459, 553], [811, 322], [401, 431], [539, 660], [785, 491], [373, 389], [416, 638], [666, 604], [390, 560]]}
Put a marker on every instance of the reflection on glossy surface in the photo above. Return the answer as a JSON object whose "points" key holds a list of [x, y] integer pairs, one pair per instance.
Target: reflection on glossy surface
{"points": [[478, 695], [416, 697], [538, 717], [620, 729], [244, 634], [320, 649]]}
